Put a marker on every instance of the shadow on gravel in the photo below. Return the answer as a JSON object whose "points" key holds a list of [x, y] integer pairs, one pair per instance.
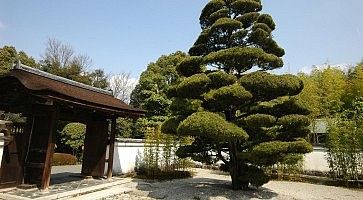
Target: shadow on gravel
{"points": [[198, 189], [64, 177]]}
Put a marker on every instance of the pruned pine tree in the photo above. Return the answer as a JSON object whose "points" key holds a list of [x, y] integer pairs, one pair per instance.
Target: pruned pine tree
{"points": [[236, 111]]}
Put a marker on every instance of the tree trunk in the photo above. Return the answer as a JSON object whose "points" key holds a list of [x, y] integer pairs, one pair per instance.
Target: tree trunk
{"points": [[234, 166]]}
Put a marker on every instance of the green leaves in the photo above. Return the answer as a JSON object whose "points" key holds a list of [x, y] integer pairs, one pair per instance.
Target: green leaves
{"points": [[185, 106], [226, 24], [267, 86], [210, 8], [259, 120], [248, 19], [242, 59], [73, 135], [266, 19], [293, 121], [212, 126], [193, 87], [190, 66], [220, 79], [269, 153], [225, 97], [246, 6], [170, 126]]}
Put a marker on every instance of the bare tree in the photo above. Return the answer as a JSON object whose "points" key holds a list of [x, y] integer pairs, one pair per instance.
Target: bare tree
{"points": [[58, 53], [122, 85], [83, 61]]}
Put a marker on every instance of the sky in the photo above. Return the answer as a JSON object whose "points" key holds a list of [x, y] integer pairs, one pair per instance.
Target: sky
{"points": [[124, 36]]}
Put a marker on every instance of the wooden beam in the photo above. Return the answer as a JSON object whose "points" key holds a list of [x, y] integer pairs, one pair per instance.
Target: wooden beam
{"points": [[50, 150], [111, 148]]}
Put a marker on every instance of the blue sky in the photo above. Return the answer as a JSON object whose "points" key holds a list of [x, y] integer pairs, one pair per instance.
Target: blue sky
{"points": [[127, 35]]}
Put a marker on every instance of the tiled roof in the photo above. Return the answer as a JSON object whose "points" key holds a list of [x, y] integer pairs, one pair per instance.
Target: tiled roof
{"points": [[62, 89]]}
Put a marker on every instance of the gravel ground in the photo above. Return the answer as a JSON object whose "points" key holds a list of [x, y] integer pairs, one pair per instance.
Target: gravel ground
{"points": [[212, 185]]}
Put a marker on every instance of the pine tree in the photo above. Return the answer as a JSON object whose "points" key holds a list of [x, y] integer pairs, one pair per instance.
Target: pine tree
{"points": [[235, 110]]}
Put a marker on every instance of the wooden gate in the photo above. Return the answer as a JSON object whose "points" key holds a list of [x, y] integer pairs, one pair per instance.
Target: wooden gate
{"points": [[11, 169], [95, 144]]}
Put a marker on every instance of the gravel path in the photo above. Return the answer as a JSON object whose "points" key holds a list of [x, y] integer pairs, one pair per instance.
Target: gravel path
{"points": [[211, 185]]}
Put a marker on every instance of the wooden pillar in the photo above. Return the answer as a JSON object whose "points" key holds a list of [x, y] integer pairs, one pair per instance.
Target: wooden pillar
{"points": [[49, 151], [95, 144], [111, 148]]}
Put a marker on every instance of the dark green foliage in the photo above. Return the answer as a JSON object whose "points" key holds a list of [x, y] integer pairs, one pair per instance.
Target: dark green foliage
{"points": [[209, 9], [266, 19], [269, 153], [219, 99], [170, 126], [154, 82], [194, 86], [210, 125], [63, 159], [293, 121], [184, 106], [124, 128], [157, 103], [248, 19], [246, 6], [242, 59], [190, 66], [220, 79], [259, 120], [73, 135], [225, 24], [267, 86], [9, 55], [251, 122], [254, 175]]}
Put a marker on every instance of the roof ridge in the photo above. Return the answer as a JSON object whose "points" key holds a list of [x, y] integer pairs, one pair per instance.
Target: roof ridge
{"points": [[18, 65]]}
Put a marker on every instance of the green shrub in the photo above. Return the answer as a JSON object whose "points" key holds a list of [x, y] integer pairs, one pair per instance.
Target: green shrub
{"points": [[63, 159], [344, 149]]}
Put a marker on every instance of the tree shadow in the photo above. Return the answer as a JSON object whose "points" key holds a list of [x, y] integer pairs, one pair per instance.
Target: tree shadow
{"points": [[199, 188], [65, 177]]}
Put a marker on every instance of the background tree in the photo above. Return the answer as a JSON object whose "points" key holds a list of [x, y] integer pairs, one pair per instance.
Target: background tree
{"points": [[72, 136], [310, 95], [149, 93], [354, 88], [60, 59], [246, 119], [8, 55], [332, 85], [122, 85]]}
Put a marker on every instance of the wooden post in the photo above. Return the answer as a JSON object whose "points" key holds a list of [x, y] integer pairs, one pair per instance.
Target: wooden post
{"points": [[50, 150], [111, 148]]}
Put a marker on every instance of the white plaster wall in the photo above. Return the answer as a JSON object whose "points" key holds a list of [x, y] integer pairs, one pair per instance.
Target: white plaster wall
{"points": [[127, 153]]}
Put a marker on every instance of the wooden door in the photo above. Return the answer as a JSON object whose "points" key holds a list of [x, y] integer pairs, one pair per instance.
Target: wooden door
{"points": [[11, 169], [95, 144], [37, 166]]}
